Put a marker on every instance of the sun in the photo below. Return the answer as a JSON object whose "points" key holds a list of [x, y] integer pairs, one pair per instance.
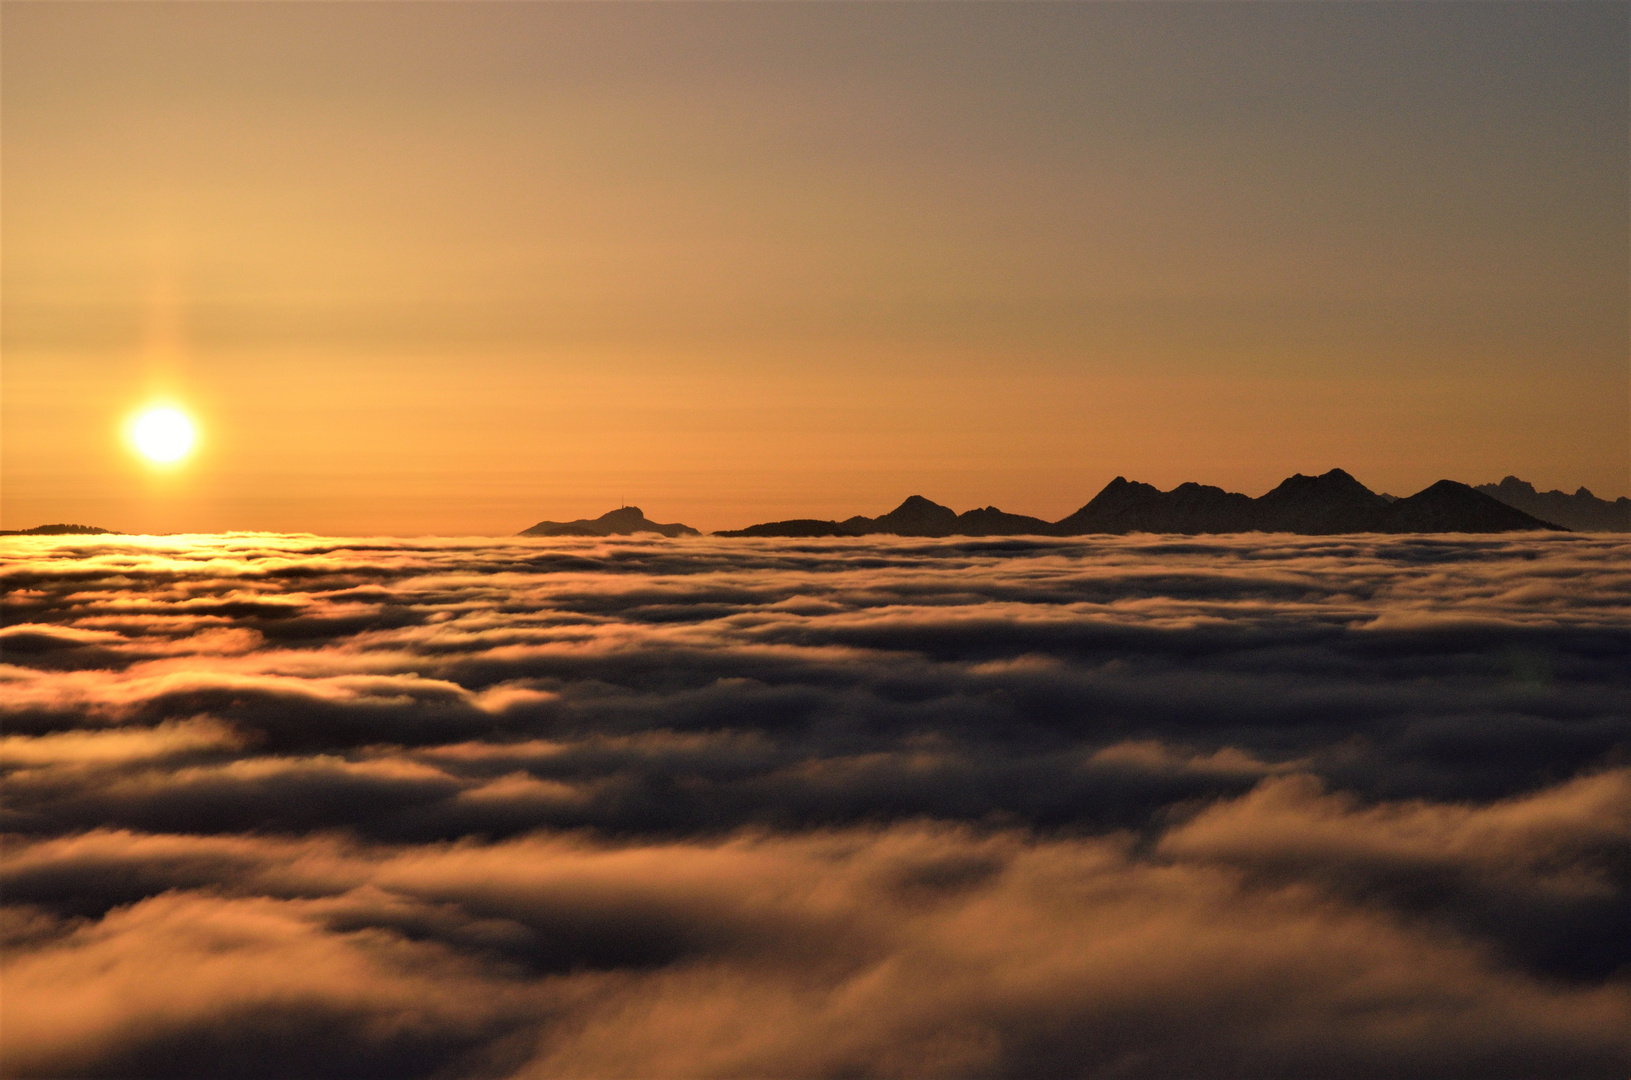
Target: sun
{"points": [[162, 434]]}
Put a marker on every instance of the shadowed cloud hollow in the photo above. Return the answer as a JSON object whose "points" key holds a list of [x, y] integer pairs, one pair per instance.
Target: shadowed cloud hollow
{"points": [[1140, 806]]}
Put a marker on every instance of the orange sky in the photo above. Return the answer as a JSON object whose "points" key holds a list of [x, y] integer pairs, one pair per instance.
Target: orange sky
{"points": [[460, 267]]}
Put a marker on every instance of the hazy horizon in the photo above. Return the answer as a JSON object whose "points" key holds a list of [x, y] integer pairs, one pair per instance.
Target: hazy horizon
{"points": [[593, 515], [442, 268]]}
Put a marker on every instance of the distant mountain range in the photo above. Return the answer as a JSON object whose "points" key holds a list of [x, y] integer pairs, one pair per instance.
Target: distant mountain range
{"points": [[1312, 505], [624, 521], [1581, 511]]}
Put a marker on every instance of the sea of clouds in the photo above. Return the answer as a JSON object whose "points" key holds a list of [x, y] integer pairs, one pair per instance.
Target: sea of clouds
{"points": [[1256, 806]]}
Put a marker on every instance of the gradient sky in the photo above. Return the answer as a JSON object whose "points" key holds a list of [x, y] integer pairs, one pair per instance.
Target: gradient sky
{"points": [[460, 267]]}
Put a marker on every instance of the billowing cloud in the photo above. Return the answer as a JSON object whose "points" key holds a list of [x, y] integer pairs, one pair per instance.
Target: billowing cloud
{"points": [[1130, 806]]}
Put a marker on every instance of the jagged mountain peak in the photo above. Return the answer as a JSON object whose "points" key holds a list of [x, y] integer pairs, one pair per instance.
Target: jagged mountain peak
{"points": [[1332, 502], [1581, 511]]}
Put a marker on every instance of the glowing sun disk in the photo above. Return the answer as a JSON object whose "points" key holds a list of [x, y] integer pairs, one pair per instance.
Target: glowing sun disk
{"points": [[162, 434]]}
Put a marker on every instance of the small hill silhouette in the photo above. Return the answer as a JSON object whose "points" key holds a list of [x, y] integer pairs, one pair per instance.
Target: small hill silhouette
{"points": [[58, 530], [624, 521], [916, 516], [797, 527], [990, 521]]}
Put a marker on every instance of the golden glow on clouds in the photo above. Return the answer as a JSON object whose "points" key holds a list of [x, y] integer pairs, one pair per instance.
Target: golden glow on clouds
{"points": [[163, 434]]}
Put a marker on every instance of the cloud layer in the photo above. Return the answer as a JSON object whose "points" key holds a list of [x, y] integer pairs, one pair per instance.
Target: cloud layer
{"points": [[1114, 807]]}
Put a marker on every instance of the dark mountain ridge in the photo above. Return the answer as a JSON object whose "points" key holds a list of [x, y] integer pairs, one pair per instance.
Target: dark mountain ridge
{"points": [[1581, 511], [58, 530], [1320, 505], [1451, 507], [1333, 502], [1127, 506], [624, 521]]}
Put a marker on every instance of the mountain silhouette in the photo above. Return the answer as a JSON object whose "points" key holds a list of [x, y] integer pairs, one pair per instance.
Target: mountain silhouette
{"points": [[58, 530], [1319, 505], [623, 521], [1451, 507], [990, 521], [1333, 502], [1582, 510], [798, 527], [1128, 506], [917, 516]]}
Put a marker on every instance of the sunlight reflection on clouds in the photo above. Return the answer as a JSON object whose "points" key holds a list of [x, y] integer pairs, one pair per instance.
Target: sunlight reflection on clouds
{"points": [[1130, 806]]}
